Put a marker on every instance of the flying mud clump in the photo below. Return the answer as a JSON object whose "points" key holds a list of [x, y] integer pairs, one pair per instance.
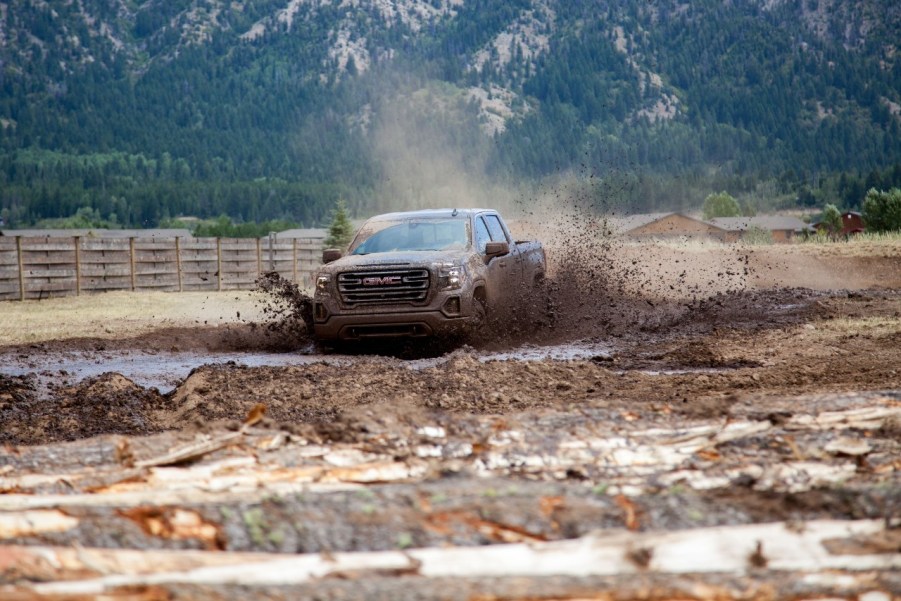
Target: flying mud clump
{"points": [[287, 311]]}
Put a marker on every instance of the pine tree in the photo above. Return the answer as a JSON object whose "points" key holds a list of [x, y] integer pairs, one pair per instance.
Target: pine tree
{"points": [[341, 230]]}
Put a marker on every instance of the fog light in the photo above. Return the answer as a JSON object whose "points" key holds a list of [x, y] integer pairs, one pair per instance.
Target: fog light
{"points": [[452, 306], [320, 313]]}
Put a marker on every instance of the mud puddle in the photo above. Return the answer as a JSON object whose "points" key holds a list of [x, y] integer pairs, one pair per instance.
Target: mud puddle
{"points": [[161, 370], [165, 370]]}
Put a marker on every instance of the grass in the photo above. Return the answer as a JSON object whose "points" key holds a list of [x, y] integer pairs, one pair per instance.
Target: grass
{"points": [[877, 237], [115, 314], [860, 245], [873, 326]]}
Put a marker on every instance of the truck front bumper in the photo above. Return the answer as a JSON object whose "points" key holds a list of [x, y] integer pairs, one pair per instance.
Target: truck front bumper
{"points": [[409, 324], [448, 313]]}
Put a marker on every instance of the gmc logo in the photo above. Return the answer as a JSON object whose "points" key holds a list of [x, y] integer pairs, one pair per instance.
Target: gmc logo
{"points": [[388, 280]]}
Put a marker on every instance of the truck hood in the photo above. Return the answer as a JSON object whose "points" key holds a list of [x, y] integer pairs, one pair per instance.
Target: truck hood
{"points": [[397, 259]]}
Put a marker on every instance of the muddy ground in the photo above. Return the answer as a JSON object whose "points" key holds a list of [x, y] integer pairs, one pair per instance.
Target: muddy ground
{"points": [[739, 440]]}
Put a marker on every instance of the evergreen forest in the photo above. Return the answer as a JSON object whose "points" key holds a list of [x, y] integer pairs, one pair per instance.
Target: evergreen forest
{"points": [[144, 111]]}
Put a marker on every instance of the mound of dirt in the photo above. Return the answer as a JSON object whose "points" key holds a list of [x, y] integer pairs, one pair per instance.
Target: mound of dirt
{"points": [[107, 404]]}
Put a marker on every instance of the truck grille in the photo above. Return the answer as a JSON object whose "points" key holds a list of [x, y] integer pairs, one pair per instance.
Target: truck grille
{"points": [[384, 287]]}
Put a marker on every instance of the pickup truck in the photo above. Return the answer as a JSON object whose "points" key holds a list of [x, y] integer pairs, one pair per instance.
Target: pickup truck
{"points": [[431, 273]]}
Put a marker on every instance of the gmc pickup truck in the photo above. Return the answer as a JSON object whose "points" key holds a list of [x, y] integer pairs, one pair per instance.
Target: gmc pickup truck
{"points": [[424, 273]]}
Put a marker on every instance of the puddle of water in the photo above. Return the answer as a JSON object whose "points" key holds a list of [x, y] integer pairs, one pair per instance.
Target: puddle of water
{"points": [[573, 351], [163, 371], [679, 372], [166, 370]]}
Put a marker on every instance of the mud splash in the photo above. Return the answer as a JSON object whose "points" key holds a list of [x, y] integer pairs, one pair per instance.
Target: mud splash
{"points": [[288, 313]]}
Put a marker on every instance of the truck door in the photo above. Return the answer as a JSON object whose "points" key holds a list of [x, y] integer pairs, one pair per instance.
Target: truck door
{"points": [[511, 262], [503, 277]]}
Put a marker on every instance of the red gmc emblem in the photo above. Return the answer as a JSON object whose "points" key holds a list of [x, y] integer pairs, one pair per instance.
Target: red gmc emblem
{"points": [[388, 280]]}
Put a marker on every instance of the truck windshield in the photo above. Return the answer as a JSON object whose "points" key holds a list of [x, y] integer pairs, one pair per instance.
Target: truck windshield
{"points": [[411, 235]]}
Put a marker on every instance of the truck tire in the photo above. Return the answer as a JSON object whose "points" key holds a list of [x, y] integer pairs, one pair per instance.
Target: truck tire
{"points": [[479, 315]]}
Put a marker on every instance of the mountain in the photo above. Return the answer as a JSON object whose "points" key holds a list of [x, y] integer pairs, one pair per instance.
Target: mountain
{"points": [[276, 108]]}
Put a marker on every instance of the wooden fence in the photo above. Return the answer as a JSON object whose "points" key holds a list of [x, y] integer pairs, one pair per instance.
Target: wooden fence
{"points": [[35, 268]]}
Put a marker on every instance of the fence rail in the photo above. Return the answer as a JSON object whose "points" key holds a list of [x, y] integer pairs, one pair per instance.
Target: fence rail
{"points": [[44, 267]]}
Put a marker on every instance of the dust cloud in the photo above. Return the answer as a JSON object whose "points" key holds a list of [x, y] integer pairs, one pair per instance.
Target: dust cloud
{"points": [[421, 144], [431, 153]]}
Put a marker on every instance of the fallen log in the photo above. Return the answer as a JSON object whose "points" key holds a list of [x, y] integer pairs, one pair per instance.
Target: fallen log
{"points": [[774, 547]]}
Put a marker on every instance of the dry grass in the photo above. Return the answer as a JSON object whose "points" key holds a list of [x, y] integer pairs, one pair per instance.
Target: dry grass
{"points": [[864, 245], [115, 314]]}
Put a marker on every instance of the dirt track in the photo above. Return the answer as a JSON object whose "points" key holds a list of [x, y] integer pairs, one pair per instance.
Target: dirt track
{"points": [[765, 416]]}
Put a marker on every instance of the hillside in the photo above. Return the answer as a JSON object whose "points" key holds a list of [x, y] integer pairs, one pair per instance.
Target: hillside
{"points": [[274, 109]]}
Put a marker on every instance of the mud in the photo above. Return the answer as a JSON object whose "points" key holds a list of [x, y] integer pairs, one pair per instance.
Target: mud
{"points": [[702, 400]]}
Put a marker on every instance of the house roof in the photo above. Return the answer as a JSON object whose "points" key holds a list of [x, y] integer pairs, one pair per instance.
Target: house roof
{"points": [[766, 222], [628, 223]]}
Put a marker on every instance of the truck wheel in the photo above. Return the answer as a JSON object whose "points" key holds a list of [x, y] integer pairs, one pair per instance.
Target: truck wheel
{"points": [[479, 313]]}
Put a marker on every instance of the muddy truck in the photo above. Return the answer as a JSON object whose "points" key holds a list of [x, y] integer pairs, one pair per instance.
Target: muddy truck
{"points": [[431, 273]]}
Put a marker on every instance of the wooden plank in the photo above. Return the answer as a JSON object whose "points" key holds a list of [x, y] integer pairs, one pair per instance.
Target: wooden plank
{"points": [[200, 269], [89, 256], [147, 243], [158, 286], [50, 273], [239, 243], [201, 245], [194, 258], [680, 555], [38, 287], [55, 259], [48, 247], [106, 284], [239, 258], [91, 272], [110, 244], [155, 258], [152, 271], [198, 286]]}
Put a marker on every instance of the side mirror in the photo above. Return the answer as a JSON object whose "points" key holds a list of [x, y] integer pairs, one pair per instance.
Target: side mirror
{"points": [[496, 249], [330, 254]]}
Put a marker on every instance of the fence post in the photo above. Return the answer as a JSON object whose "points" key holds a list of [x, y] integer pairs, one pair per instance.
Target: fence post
{"points": [[178, 261], [272, 238], [294, 258], [21, 268], [77, 265], [219, 264], [131, 252], [259, 258]]}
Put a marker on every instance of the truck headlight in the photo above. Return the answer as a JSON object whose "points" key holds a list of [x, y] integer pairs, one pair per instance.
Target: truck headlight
{"points": [[322, 282], [451, 277]]}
